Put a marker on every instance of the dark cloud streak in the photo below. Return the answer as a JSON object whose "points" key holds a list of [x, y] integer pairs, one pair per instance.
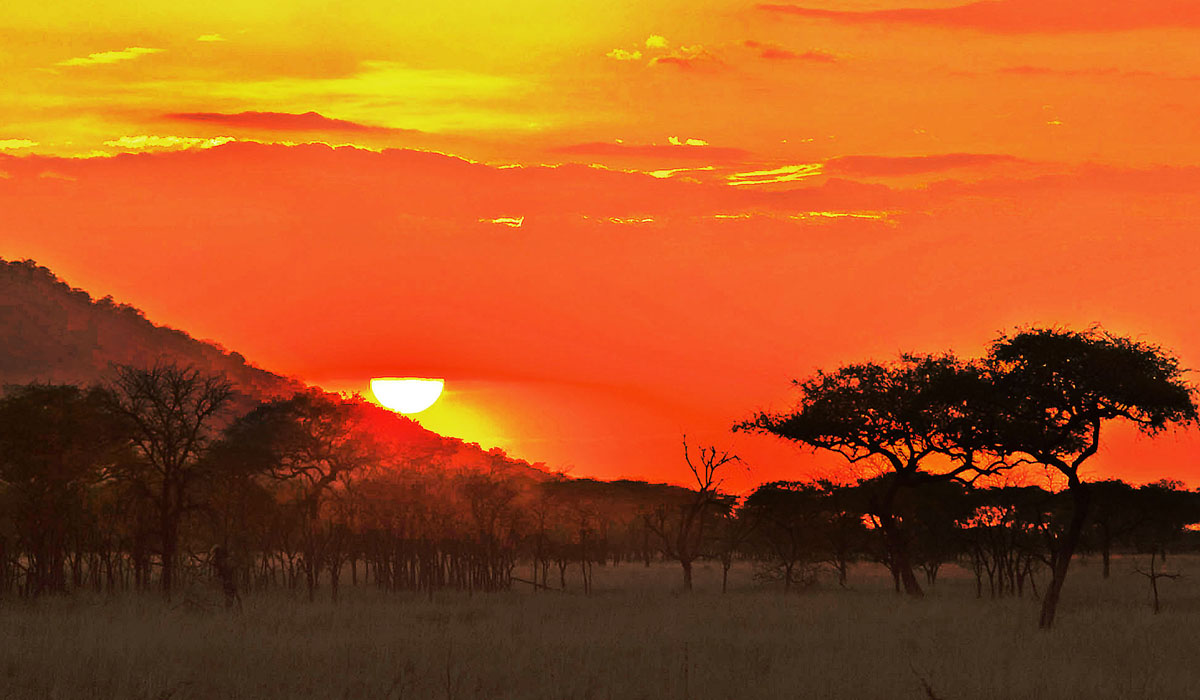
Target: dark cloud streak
{"points": [[1022, 16]]}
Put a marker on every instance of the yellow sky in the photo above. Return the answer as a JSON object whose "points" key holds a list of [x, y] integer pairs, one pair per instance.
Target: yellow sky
{"points": [[515, 81]]}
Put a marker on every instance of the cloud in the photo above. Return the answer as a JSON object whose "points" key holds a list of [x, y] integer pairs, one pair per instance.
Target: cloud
{"points": [[670, 172], [210, 37], [10, 144], [692, 149], [885, 166], [1022, 16], [169, 143], [509, 221], [623, 55], [686, 57], [280, 121], [654, 41], [1106, 72], [109, 56], [776, 52], [54, 175], [787, 173]]}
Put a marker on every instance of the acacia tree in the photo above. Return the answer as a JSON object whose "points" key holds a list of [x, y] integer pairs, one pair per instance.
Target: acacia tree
{"points": [[170, 410], [923, 416], [1056, 389], [680, 527]]}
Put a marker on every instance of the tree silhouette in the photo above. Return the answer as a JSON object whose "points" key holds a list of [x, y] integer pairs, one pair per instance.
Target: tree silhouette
{"points": [[309, 443], [680, 527], [56, 444], [1057, 388], [923, 416], [170, 411], [788, 518]]}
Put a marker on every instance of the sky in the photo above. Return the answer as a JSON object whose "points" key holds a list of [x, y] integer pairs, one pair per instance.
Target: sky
{"points": [[611, 224]]}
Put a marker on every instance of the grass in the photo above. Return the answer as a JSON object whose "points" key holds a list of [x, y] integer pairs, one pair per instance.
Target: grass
{"points": [[634, 638]]}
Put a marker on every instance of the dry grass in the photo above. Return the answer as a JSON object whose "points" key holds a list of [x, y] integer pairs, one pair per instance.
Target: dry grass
{"points": [[634, 638]]}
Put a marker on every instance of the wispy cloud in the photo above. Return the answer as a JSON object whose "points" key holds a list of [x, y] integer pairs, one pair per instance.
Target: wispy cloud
{"points": [[166, 143], [671, 172], [210, 37], [1022, 16], [509, 221], [55, 175], [898, 166], [691, 149], [686, 57], [279, 121], [109, 56], [787, 173], [623, 55], [777, 52], [11, 144]]}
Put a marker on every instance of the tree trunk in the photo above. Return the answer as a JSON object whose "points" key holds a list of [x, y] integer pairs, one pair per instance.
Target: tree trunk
{"points": [[1105, 550], [898, 553], [687, 574], [1062, 558], [169, 541]]}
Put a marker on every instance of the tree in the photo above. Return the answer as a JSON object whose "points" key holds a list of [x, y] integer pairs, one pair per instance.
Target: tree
{"points": [[1057, 389], [924, 417], [1116, 512], [170, 411], [311, 442], [56, 444], [787, 516], [680, 527]]}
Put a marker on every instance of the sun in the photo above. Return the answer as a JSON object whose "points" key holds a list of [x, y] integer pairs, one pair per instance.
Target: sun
{"points": [[407, 394]]}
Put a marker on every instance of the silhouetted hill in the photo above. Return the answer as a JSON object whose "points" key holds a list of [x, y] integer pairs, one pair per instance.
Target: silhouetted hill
{"points": [[54, 333]]}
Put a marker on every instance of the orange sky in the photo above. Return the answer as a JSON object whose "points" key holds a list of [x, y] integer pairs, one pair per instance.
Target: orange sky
{"points": [[607, 224]]}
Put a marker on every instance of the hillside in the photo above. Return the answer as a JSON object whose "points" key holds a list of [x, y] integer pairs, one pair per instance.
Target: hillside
{"points": [[52, 332]]}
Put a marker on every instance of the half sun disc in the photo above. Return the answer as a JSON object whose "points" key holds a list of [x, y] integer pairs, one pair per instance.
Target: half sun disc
{"points": [[407, 394]]}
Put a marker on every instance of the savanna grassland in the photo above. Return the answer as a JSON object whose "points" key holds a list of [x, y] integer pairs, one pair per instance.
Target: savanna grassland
{"points": [[636, 636]]}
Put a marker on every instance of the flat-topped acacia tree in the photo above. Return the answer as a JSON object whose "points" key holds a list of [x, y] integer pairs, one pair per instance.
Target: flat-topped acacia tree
{"points": [[1055, 389], [925, 416]]}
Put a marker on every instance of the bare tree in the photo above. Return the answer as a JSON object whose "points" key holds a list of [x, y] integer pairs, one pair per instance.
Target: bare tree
{"points": [[171, 410], [680, 527], [1153, 575]]}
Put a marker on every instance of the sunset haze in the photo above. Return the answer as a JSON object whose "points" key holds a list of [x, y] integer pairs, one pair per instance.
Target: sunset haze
{"points": [[607, 225]]}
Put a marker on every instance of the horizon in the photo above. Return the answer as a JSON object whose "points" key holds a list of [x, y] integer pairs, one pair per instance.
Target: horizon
{"points": [[607, 228]]}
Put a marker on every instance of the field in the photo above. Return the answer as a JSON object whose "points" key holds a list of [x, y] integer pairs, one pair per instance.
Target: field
{"points": [[635, 637]]}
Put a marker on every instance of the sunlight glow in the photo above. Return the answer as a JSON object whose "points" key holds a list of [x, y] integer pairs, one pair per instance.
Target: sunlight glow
{"points": [[407, 394]]}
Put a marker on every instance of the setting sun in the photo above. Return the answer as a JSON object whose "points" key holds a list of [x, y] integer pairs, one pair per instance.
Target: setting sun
{"points": [[407, 394]]}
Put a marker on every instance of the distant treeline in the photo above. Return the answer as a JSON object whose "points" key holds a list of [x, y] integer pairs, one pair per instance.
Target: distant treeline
{"points": [[148, 483], [129, 485]]}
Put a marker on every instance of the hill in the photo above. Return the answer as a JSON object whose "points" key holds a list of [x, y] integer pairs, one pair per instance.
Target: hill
{"points": [[55, 333], [51, 332]]}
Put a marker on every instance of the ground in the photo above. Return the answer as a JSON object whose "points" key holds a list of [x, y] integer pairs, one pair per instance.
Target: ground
{"points": [[635, 637]]}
